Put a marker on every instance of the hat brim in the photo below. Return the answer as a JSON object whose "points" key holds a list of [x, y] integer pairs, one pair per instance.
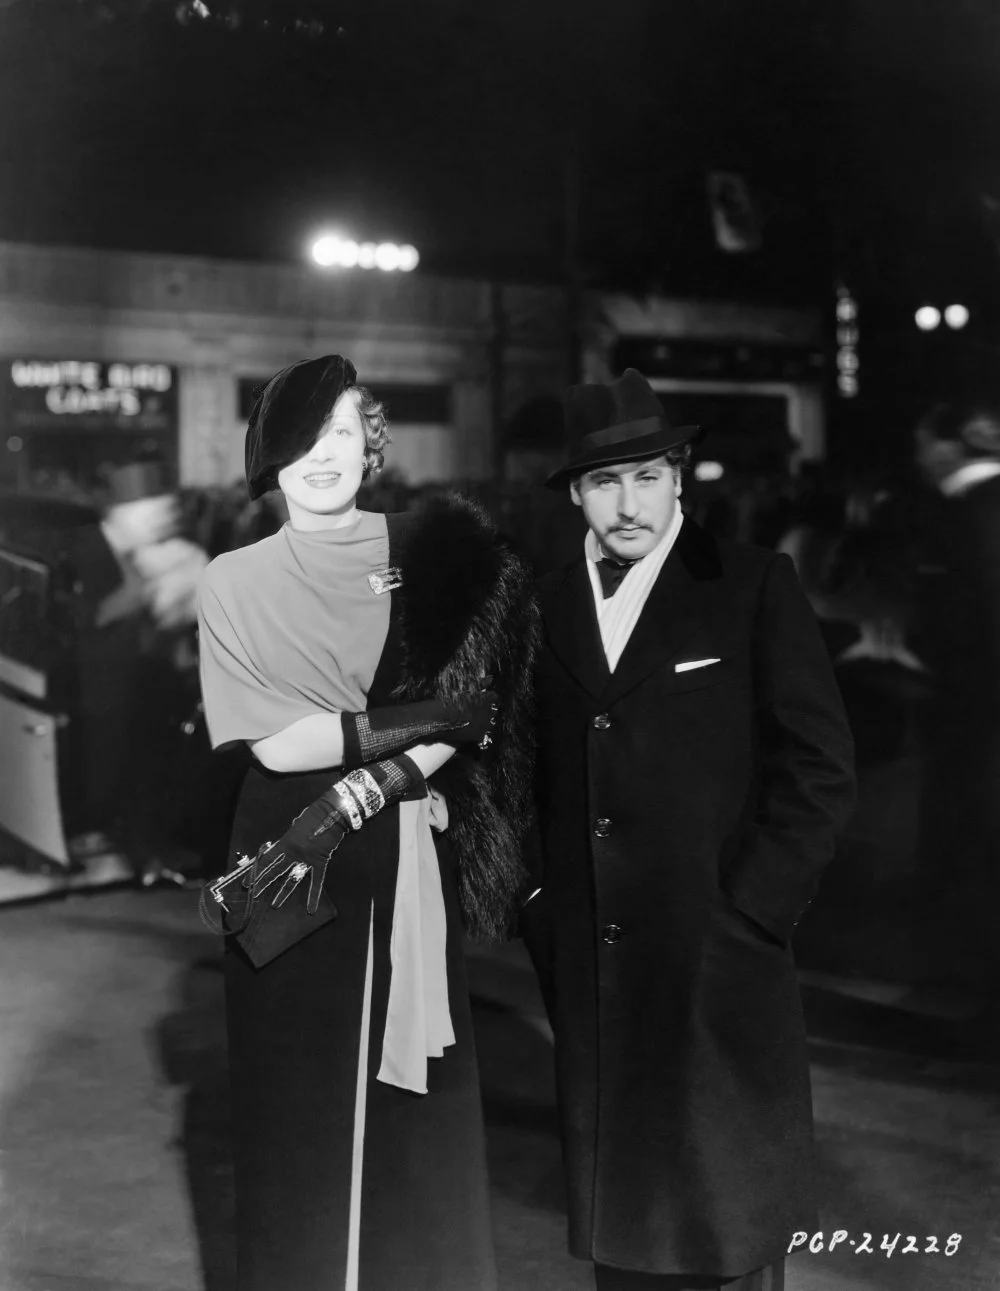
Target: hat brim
{"points": [[639, 449]]}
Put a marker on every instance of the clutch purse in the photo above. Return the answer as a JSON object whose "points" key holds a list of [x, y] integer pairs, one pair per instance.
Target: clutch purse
{"points": [[267, 908]]}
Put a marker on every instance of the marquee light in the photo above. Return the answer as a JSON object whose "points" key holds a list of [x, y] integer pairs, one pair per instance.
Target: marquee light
{"points": [[848, 336], [927, 317], [408, 258], [325, 250], [847, 309], [709, 470], [956, 316], [331, 251]]}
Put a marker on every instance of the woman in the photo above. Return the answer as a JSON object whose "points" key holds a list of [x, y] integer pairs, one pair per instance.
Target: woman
{"points": [[343, 641]]}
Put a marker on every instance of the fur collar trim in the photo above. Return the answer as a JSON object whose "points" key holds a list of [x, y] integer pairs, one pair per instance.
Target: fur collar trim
{"points": [[466, 611]]}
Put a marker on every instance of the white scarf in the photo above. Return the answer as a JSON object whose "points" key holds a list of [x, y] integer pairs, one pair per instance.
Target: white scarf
{"points": [[418, 1021], [618, 614]]}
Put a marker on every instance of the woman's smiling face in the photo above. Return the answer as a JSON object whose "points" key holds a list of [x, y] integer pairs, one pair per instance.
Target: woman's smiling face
{"points": [[323, 483]]}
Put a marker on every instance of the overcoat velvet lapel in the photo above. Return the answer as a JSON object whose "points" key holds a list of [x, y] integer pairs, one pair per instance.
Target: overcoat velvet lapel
{"points": [[679, 602]]}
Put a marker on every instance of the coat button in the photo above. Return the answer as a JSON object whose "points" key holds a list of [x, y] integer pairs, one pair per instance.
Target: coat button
{"points": [[611, 933], [602, 827], [601, 722]]}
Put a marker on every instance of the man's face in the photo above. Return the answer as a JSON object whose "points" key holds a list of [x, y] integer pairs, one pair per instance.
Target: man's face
{"points": [[630, 505]]}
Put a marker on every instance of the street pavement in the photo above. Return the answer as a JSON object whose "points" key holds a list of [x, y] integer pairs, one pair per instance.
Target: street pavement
{"points": [[114, 1170]]}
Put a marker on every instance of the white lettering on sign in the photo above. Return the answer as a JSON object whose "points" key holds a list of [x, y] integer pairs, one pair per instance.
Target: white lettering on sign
{"points": [[140, 376], [44, 374], [61, 399]]}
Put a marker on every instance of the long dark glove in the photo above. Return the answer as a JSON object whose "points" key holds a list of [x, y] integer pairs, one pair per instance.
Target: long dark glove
{"points": [[266, 929], [383, 732], [305, 849]]}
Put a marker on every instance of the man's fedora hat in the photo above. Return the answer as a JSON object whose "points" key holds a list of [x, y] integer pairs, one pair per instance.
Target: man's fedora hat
{"points": [[622, 421]]}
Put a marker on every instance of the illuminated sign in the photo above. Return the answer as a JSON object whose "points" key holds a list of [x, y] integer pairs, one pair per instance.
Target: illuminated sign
{"points": [[847, 344], [41, 394]]}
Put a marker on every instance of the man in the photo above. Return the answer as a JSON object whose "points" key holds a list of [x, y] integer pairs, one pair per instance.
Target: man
{"points": [[694, 768], [958, 452]]}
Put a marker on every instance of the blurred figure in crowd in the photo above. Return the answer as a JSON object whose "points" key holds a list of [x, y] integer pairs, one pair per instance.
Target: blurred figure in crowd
{"points": [[865, 593], [140, 512], [855, 550], [141, 585], [869, 585], [856, 559], [113, 630], [694, 769], [958, 453]]}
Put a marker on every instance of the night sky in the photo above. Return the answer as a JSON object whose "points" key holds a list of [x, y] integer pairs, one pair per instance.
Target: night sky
{"points": [[485, 133]]}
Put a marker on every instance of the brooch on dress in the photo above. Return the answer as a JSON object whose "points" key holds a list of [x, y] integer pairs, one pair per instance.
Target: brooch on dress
{"points": [[385, 580]]}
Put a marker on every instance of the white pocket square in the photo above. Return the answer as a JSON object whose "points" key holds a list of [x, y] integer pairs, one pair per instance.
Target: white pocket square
{"points": [[694, 663]]}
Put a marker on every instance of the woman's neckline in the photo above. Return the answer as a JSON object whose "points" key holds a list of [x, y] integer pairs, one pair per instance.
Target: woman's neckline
{"points": [[337, 534]]}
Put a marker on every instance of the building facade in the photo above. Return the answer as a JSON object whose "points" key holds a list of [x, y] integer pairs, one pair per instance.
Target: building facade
{"points": [[106, 356]]}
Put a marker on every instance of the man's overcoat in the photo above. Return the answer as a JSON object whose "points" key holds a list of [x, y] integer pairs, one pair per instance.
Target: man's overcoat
{"points": [[686, 814]]}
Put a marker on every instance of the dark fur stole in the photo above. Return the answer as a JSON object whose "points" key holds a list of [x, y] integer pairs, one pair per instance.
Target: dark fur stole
{"points": [[466, 611]]}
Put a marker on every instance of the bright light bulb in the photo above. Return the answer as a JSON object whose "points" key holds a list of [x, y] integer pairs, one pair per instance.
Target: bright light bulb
{"points": [[847, 360], [956, 316], [331, 249], [709, 470], [927, 317], [326, 250], [387, 256], [847, 385]]}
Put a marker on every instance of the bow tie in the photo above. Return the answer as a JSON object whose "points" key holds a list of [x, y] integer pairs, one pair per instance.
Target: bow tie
{"points": [[611, 573]]}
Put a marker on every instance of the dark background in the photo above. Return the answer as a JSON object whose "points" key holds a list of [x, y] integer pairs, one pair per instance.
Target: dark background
{"points": [[540, 141], [868, 130]]}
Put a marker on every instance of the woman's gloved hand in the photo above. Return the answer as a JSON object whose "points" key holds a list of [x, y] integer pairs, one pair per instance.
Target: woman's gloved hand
{"points": [[305, 849], [302, 852], [382, 732], [480, 715]]}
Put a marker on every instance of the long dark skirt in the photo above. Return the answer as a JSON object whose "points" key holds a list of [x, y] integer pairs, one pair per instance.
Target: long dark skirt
{"points": [[294, 1037]]}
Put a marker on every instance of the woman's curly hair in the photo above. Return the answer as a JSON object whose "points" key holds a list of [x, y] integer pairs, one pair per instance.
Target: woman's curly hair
{"points": [[376, 427]]}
